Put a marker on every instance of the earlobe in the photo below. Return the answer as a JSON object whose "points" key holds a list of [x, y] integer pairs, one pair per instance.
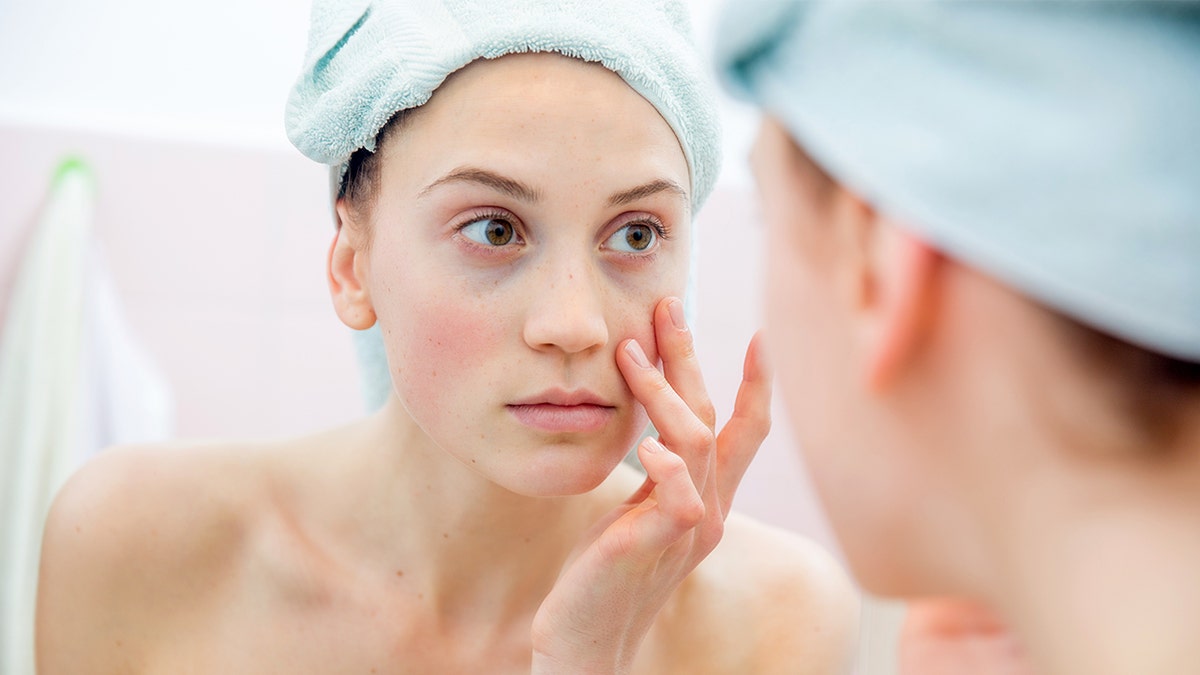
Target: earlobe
{"points": [[904, 272], [346, 269]]}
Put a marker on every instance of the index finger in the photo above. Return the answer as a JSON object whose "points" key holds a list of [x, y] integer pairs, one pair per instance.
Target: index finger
{"points": [[678, 427], [677, 348]]}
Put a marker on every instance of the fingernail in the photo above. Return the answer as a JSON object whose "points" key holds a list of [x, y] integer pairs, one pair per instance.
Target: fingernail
{"points": [[676, 309], [652, 444], [635, 351]]}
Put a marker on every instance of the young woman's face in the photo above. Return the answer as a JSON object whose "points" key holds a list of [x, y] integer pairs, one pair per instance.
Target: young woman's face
{"points": [[814, 334], [806, 329], [528, 219]]}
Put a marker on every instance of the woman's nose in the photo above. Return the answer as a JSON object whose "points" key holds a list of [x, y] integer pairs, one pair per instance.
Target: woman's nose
{"points": [[566, 311]]}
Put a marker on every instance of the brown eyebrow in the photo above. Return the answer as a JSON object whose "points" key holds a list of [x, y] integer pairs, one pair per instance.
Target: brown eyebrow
{"points": [[652, 188], [468, 174], [518, 190]]}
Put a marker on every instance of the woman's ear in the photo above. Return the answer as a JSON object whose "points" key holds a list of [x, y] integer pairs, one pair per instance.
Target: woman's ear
{"points": [[902, 300], [347, 272]]}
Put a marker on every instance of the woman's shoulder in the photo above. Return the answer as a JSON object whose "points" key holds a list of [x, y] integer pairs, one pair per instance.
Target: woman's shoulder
{"points": [[771, 601], [132, 510], [149, 501], [139, 535]]}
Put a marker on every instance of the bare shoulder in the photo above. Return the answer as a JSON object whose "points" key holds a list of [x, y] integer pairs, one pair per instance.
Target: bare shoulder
{"points": [[134, 538], [770, 601]]}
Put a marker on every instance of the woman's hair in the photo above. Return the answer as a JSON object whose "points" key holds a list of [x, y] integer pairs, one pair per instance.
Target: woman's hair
{"points": [[1151, 389], [360, 185]]}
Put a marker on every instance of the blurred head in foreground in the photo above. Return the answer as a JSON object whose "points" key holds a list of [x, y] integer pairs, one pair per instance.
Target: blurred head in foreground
{"points": [[984, 295]]}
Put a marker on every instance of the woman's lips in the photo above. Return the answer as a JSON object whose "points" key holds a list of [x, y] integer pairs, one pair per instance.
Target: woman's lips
{"points": [[579, 418]]}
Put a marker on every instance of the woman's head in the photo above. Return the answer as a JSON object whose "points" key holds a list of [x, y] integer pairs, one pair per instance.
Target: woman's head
{"points": [[525, 221], [519, 181], [928, 395], [373, 61], [958, 224]]}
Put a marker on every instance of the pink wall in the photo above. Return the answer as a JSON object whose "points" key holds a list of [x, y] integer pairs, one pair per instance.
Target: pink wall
{"points": [[218, 253]]}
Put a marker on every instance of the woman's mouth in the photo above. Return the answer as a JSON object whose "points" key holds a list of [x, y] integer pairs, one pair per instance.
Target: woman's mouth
{"points": [[563, 418], [558, 411]]}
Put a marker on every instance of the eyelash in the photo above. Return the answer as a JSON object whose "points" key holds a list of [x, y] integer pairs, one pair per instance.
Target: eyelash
{"points": [[661, 232]]}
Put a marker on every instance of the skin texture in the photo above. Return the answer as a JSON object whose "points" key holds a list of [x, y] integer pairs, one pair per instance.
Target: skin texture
{"points": [[962, 448], [442, 534]]}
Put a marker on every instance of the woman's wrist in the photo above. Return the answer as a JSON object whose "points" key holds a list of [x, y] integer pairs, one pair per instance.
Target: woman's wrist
{"points": [[575, 662]]}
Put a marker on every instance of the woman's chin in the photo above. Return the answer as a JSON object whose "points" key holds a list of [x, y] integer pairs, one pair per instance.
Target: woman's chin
{"points": [[562, 477]]}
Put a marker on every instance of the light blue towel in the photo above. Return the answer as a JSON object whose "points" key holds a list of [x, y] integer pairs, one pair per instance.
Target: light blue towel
{"points": [[368, 59], [1055, 145]]}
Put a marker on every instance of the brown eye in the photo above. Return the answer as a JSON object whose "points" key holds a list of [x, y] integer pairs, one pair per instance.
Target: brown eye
{"points": [[490, 231], [499, 233], [633, 238], [639, 237]]}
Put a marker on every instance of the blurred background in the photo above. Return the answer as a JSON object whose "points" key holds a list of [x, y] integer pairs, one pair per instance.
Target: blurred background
{"points": [[169, 281]]}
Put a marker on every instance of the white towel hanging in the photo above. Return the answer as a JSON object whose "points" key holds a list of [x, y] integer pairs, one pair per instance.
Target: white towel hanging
{"points": [[72, 381]]}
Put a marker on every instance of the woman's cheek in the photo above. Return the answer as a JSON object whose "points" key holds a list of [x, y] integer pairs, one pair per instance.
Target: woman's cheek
{"points": [[439, 346], [634, 295]]}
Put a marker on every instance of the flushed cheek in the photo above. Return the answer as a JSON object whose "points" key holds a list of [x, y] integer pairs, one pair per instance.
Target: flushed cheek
{"points": [[438, 350]]}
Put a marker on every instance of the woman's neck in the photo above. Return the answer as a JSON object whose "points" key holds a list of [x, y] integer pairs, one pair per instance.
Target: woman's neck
{"points": [[470, 547], [1102, 573]]}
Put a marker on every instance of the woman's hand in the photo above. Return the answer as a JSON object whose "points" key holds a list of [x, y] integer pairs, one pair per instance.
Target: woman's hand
{"points": [[606, 599], [950, 637]]}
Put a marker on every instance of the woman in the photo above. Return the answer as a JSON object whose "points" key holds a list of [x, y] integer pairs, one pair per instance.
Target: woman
{"points": [[518, 226], [984, 264]]}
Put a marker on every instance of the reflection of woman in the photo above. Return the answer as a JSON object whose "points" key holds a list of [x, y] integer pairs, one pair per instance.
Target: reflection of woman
{"points": [[520, 237], [984, 225]]}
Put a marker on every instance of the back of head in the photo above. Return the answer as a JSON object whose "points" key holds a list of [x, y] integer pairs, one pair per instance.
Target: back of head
{"points": [[1054, 146]]}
